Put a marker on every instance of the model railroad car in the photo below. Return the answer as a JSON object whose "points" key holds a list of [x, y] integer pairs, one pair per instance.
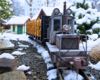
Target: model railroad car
{"points": [[37, 29], [57, 32]]}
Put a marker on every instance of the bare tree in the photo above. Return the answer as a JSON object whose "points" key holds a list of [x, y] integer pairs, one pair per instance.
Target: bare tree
{"points": [[18, 8]]}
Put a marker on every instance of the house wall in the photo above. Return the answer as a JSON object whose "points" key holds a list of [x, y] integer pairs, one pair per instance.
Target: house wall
{"points": [[11, 28], [16, 29], [24, 29], [15, 32]]}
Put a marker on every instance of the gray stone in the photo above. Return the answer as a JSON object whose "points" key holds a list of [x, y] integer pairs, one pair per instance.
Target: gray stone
{"points": [[13, 75], [38, 56], [8, 65]]}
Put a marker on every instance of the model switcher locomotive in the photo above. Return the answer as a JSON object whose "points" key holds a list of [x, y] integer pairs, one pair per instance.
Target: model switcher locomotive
{"points": [[57, 32]]}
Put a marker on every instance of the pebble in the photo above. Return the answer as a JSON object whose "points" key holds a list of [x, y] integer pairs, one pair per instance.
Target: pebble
{"points": [[32, 58]]}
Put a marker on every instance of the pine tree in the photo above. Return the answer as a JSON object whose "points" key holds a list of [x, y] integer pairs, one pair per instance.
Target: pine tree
{"points": [[84, 16], [5, 11]]}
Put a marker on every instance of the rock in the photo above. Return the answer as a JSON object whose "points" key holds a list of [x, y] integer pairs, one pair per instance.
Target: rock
{"points": [[95, 53], [38, 56], [6, 44], [8, 65], [14, 75]]}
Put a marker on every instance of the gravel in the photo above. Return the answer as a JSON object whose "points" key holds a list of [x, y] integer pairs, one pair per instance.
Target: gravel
{"points": [[37, 65], [32, 58], [95, 73]]}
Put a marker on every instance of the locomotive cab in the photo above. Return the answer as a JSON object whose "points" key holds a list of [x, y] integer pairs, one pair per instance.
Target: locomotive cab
{"points": [[55, 25], [60, 23]]}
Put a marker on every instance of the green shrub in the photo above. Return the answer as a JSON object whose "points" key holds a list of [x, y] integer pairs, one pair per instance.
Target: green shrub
{"points": [[2, 31]]}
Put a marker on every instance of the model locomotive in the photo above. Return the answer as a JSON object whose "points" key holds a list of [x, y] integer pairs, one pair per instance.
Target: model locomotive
{"points": [[61, 41]]}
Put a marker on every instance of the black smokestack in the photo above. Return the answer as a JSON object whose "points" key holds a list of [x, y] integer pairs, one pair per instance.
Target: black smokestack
{"points": [[64, 10]]}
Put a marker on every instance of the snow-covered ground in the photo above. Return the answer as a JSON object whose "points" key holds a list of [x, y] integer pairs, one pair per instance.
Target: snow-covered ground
{"points": [[52, 73]]}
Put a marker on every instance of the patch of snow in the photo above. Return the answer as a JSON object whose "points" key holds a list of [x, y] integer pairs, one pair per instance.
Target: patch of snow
{"points": [[98, 3], [89, 3], [17, 53], [71, 75], [20, 49], [45, 55], [5, 43], [95, 66], [7, 55], [40, 48], [75, 27], [49, 65], [23, 45], [79, 1], [23, 67], [16, 36], [29, 72], [52, 74], [93, 37], [19, 43], [96, 26], [90, 30], [47, 60]]}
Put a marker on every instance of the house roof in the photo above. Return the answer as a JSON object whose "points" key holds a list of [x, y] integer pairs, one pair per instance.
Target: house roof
{"points": [[18, 20], [46, 11]]}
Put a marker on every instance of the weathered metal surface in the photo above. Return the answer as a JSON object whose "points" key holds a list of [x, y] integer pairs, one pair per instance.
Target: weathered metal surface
{"points": [[65, 41], [53, 37], [54, 48], [68, 59]]}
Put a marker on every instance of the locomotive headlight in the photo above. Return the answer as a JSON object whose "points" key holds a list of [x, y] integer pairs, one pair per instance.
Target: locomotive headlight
{"points": [[56, 11], [66, 27], [68, 11]]}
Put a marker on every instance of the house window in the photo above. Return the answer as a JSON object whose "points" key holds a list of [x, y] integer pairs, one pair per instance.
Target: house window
{"points": [[13, 28], [34, 8], [41, 4], [30, 5], [30, 9], [30, 13]]}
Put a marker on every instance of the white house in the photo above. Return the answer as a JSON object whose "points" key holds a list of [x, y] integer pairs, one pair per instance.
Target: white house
{"points": [[18, 24]]}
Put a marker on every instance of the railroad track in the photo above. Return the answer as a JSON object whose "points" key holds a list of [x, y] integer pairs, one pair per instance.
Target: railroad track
{"points": [[81, 72]]}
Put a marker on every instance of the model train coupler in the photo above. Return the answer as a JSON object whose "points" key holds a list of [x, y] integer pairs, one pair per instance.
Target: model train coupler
{"points": [[77, 63]]}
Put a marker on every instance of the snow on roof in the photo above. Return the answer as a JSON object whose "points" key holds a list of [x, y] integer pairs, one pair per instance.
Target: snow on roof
{"points": [[47, 11], [16, 20]]}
